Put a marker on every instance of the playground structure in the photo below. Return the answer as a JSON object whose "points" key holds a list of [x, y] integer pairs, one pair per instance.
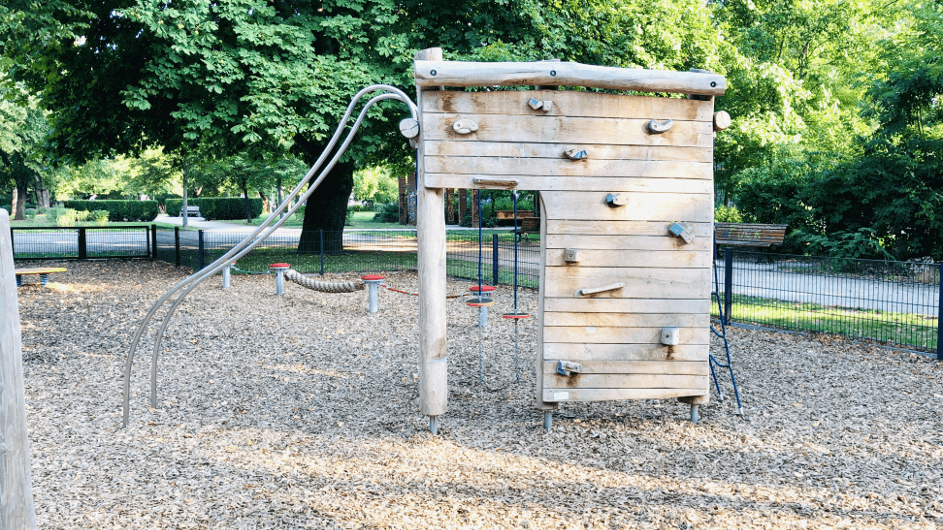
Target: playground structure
{"points": [[627, 204]]}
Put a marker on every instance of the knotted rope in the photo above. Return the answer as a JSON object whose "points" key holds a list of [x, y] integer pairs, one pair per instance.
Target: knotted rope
{"points": [[324, 287]]}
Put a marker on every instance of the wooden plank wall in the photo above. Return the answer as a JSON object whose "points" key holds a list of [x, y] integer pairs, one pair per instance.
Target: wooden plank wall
{"points": [[16, 494], [663, 178]]}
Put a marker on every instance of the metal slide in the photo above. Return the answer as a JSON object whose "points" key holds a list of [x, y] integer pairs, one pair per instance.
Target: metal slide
{"points": [[247, 244]]}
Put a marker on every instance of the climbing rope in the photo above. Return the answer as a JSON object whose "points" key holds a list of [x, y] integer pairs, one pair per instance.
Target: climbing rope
{"points": [[324, 287]]}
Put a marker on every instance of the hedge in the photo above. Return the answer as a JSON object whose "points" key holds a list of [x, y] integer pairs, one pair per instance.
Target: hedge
{"points": [[218, 208], [118, 210]]}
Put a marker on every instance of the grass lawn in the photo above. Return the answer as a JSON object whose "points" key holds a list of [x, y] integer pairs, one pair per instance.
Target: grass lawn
{"points": [[916, 331]]}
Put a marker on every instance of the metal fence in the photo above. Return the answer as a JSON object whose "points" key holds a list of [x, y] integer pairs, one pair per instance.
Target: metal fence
{"points": [[357, 251], [891, 302], [83, 242]]}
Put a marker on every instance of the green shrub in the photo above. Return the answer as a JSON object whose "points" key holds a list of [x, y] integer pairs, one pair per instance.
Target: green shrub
{"points": [[727, 214], [218, 208], [118, 210], [99, 217], [387, 213], [81, 215], [30, 213], [65, 217], [360, 208]]}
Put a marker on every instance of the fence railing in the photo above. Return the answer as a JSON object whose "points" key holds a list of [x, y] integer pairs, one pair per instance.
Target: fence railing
{"points": [[357, 251], [127, 242], [891, 302]]}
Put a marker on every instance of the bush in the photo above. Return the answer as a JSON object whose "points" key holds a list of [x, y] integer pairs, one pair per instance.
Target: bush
{"points": [[64, 216], [727, 214], [387, 213], [218, 208], [81, 215], [99, 217], [30, 213], [118, 210]]}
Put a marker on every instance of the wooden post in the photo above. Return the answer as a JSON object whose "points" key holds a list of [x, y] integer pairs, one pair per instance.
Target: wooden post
{"points": [[403, 195], [16, 490], [474, 208], [462, 204], [450, 207], [430, 232]]}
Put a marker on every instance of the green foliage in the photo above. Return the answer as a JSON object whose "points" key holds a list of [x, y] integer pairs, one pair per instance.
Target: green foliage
{"points": [[727, 214], [118, 210], [862, 244], [387, 213], [99, 217], [63, 216], [376, 185], [218, 208]]}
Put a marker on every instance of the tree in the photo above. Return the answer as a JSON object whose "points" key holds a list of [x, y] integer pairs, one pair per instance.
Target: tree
{"points": [[22, 128], [123, 74]]}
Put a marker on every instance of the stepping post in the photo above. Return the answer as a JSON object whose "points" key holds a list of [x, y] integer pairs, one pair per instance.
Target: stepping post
{"points": [[481, 302], [373, 286], [279, 269], [226, 275]]}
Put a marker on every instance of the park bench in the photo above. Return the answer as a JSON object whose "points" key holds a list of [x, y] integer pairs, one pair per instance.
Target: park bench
{"points": [[43, 273], [191, 211], [506, 217], [749, 235], [529, 225]]}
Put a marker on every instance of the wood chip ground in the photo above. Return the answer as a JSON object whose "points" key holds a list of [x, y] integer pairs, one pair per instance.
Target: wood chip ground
{"points": [[301, 411]]}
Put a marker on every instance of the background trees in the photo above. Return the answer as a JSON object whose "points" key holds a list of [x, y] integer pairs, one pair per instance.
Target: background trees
{"points": [[836, 127]]}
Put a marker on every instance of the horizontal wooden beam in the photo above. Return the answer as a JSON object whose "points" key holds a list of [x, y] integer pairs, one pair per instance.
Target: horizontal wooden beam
{"points": [[462, 74]]}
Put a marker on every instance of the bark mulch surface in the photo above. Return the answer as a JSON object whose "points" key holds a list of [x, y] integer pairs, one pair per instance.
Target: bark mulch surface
{"points": [[301, 411]]}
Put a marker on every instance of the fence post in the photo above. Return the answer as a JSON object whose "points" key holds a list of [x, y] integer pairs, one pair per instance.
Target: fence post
{"points": [[321, 237], [728, 283], [199, 235], [939, 318], [177, 246], [494, 259], [153, 242], [83, 251], [16, 490]]}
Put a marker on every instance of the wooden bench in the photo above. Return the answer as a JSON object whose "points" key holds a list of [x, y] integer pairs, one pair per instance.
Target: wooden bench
{"points": [[43, 273], [506, 217], [191, 211], [749, 235], [529, 225]]}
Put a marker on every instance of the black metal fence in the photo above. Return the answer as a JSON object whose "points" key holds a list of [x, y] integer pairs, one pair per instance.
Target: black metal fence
{"points": [[359, 251], [66, 243], [891, 302]]}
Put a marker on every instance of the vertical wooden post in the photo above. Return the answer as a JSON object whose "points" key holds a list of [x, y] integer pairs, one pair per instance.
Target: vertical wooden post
{"points": [[403, 203], [474, 208], [462, 205], [430, 232], [16, 489]]}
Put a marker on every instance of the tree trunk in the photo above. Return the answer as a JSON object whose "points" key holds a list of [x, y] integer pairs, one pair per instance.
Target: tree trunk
{"points": [[186, 168], [244, 184], [21, 191], [14, 200], [278, 191], [266, 204], [326, 210], [41, 192]]}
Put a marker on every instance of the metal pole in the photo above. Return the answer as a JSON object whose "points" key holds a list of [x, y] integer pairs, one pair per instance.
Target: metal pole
{"points": [[153, 241], [83, 251], [939, 320], [321, 232], [728, 283], [494, 259], [177, 246], [226, 277], [199, 236]]}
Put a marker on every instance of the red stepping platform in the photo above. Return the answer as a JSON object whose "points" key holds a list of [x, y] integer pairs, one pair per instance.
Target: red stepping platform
{"points": [[279, 266], [484, 288], [373, 277]]}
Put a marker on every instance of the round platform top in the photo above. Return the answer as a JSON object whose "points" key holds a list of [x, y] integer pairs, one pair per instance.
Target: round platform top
{"points": [[484, 288], [515, 315], [479, 302], [373, 277], [279, 266]]}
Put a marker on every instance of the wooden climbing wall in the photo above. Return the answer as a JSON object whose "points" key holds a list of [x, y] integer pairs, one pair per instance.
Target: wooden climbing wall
{"points": [[651, 180]]}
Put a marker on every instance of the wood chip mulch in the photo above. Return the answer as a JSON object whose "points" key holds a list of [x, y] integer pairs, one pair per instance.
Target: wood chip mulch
{"points": [[301, 411]]}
